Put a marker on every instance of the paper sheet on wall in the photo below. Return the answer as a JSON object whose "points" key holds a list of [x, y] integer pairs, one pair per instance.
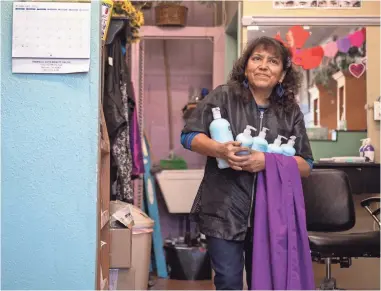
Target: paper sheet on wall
{"points": [[51, 37], [50, 66]]}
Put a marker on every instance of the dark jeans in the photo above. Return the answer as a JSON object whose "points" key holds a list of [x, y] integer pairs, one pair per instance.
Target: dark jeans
{"points": [[228, 259]]}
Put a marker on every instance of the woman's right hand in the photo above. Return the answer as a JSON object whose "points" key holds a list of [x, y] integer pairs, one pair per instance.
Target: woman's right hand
{"points": [[227, 151]]}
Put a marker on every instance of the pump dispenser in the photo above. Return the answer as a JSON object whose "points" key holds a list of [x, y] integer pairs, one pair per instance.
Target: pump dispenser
{"points": [[288, 149], [361, 150], [275, 147], [260, 143], [245, 139], [368, 150], [220, 131]]}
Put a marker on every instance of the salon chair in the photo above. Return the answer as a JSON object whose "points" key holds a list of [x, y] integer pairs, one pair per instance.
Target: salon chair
{"points": [[330, 210]]}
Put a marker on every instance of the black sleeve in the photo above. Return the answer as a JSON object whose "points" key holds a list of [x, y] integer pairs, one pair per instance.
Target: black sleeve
{"points": [[302, 142], [202, 116]]}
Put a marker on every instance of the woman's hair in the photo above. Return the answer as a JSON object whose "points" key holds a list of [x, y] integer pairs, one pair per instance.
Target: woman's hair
{"points": [[291, 81]]}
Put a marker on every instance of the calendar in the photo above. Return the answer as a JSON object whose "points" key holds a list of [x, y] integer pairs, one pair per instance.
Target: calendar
{"points": [[51, 30]]}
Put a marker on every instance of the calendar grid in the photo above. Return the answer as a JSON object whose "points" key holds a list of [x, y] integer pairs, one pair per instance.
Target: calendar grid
{"points": [[51, 30]]}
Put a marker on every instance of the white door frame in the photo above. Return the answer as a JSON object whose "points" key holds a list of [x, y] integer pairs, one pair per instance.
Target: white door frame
{"points": [[311, 21]]}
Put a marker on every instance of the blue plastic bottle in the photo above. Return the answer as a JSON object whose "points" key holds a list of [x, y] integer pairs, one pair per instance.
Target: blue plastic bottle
{"points": [[275, 147], [220, 131], [288, 149], [245, 139], [260, 143]]}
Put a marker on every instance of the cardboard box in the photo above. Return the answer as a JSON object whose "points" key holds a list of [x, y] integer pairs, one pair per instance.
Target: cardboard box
{"points": [[120, 248], [122, 279]]}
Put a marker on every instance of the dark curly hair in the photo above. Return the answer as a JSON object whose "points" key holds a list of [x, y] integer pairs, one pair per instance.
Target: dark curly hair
{"points": [[291, 82]]}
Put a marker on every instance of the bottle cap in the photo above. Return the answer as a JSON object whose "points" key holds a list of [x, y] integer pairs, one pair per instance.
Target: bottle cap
{"points": [[262, 134], [216, 113], [278, 140], [247, 131], [291, 140]]}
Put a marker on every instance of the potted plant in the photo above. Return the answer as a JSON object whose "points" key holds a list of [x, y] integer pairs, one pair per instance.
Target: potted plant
{"points": [[133, 15], [170, 13]]}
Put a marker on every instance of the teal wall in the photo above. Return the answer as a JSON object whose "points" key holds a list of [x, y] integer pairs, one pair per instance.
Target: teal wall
{"points": [[347, 144], [49, 134]]}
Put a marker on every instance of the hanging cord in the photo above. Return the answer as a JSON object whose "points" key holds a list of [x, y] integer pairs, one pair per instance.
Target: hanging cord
{"points": [[169, 97], [141, 90]]}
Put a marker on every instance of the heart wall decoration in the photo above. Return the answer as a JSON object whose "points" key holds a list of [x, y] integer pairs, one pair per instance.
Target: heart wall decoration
{"points": [[357, 70]]}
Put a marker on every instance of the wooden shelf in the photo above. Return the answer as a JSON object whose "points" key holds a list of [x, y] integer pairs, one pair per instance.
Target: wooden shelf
{"points": [[147, 31], [103, 235]]}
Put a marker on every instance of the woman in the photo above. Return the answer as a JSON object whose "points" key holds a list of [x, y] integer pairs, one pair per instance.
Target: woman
{"points": [[261, 92]]}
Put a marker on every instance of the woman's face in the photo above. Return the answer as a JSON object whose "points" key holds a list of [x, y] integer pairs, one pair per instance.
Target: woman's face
{"points": [[264, 69]]}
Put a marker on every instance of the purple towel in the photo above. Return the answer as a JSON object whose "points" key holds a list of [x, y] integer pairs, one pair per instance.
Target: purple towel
{"points": [[281, 252]]}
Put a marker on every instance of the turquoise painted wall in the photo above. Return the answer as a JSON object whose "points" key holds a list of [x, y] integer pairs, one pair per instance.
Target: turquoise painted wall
{"points": [[49, 133], [347, 144]]}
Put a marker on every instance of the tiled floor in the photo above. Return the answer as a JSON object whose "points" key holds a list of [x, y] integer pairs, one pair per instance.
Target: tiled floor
{"points": [[364, 274]]}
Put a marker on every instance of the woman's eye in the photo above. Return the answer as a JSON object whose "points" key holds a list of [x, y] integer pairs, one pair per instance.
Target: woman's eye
{"points": [[274, 62], [256, 58]]}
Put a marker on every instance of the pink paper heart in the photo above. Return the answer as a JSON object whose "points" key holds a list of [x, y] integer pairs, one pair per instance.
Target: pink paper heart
{"points": [[357, 70], [357, 38], [330, 49]]}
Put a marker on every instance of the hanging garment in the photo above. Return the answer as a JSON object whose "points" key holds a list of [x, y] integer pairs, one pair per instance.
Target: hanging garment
{"points": [[116, 110], [281, 253], [135, 138]]}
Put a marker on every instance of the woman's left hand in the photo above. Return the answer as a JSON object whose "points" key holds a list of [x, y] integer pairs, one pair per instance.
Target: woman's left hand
{"points": [[255, 163]]}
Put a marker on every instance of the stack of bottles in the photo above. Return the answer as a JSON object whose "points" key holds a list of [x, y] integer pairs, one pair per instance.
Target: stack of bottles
{"points": [[220, 131]]}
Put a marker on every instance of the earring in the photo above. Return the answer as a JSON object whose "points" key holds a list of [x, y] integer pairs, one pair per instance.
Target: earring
{"points": [[245, 83], [280, 90]]}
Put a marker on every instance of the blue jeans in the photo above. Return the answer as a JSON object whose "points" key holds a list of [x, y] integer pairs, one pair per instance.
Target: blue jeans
{"points": [[228, 259]]}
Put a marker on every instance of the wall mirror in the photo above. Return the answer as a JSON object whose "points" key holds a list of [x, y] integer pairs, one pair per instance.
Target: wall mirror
{"points": [[332, 61]]}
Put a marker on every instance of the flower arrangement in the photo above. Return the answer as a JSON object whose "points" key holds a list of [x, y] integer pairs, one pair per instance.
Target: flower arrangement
{"points": [[124, 8]]}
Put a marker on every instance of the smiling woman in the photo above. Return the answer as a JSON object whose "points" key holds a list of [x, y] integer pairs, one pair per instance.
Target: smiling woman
{"points": [[260, 92]]}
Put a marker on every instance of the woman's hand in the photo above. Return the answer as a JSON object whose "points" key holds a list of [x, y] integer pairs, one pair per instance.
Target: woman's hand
{"points": [[227, 151], [255, 163]]}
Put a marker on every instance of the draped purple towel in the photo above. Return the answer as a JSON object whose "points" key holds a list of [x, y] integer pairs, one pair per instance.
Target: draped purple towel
{"points": [[281, 252]]}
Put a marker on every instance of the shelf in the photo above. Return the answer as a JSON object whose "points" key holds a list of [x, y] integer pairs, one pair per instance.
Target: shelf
{"points": [[191, 32], [188, 109]]}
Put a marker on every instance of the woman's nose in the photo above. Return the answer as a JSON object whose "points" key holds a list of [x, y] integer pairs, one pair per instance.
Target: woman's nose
{"points": [[263, 65]]}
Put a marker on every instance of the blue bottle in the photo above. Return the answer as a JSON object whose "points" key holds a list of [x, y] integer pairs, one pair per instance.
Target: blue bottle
{"points": [[275, 147], [288, 149], [260, 143], [220, 131], [245, 139]]}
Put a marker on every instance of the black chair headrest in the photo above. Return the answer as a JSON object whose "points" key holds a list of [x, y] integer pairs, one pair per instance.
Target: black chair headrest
{"points": [[328, 200]]}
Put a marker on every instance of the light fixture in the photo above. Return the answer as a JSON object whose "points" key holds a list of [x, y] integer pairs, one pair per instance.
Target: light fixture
{"points": [[253, 27], [306, 27]]}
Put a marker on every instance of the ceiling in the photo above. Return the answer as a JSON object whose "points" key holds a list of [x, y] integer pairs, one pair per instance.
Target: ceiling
{"points": [[319, 34]]}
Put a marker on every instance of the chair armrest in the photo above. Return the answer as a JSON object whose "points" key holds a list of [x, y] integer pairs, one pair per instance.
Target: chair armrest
{"points": [[374, 213], [368, 201]]}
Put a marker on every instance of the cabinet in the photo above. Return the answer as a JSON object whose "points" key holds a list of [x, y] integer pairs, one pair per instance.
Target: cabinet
{"points": [[364, 178]]}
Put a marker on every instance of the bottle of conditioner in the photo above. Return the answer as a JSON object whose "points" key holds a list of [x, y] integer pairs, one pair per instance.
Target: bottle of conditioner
{"points": [[220, 131]]}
